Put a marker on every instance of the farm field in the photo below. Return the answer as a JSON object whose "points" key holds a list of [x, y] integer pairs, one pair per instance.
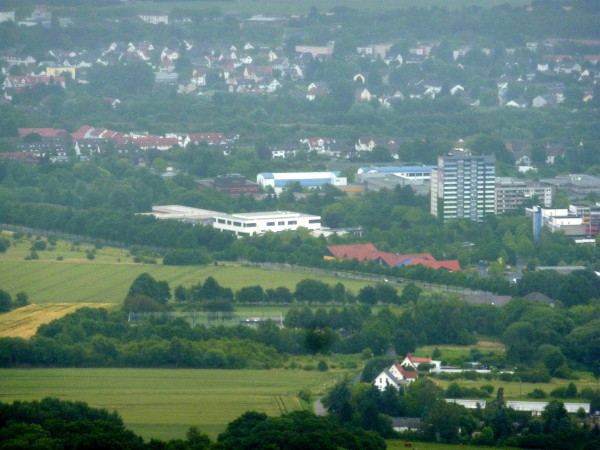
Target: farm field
{"points": [[453, 352], [24, 322], [515, 390], [399, 444], [64, 274], [164, 403]]}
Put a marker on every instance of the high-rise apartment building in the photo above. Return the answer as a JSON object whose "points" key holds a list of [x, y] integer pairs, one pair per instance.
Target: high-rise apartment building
{"points": [[463, 186]]}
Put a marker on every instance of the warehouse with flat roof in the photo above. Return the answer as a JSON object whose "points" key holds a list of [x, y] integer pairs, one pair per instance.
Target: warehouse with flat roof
{"points": [[279, 181]]}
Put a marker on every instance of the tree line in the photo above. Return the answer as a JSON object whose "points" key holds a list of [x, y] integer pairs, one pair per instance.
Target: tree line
{"points": [[59, 424]]}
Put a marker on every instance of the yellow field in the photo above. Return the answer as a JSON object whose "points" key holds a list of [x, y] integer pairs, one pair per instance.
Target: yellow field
{"points": [[24, 322]]}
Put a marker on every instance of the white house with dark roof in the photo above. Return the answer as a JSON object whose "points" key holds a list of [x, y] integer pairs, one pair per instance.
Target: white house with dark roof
{"points": [[396, 376]]}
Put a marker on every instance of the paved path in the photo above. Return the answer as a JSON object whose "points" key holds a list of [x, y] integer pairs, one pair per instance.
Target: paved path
{"points": [[319, 407]]}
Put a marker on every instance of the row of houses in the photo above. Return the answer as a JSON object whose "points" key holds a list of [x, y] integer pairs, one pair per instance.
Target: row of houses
{"points": [[264, 69]]}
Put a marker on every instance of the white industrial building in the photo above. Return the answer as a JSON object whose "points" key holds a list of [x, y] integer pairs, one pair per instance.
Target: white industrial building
{"points": [[242, 224], [279, 181], [245, 224], [421, 173]]}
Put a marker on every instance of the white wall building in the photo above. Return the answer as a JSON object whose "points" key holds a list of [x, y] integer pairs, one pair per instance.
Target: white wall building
{"points": [[242, 224], [538, 407], [245, 224], [5, 16], [279, 181]]}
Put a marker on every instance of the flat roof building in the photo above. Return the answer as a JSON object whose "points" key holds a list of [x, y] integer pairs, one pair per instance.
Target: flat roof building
{"points": [[242, 224], [279, 181], [512, 193], [245, 224], [463, 186]]}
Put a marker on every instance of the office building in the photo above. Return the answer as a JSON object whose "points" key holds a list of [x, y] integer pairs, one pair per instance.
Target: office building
{"points": [[511, 193], [463, 186]]}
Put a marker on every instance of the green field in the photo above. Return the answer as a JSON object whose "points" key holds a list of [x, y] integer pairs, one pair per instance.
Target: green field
{"points": [[106, 279], [399, 444], [164, 403]]}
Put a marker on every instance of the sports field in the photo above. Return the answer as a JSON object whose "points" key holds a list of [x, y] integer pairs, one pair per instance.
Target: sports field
{"points": [[164, 403]]}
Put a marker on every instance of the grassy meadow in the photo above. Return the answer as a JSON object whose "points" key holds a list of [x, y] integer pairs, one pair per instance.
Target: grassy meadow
{"points": [[164, 403], [64, 274]]}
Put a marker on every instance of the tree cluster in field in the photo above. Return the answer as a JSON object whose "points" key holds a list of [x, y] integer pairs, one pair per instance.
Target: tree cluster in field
{"points": [[366, 406], [59, 424], [7, 303]]}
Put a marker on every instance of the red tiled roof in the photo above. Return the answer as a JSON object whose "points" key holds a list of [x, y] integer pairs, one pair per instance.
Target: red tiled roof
{"points": [[88, 132], [452, 265], [418, 360], [362, 252], [409, 375], [368, 252], [154, 141], [43, 132], [214, 138]]}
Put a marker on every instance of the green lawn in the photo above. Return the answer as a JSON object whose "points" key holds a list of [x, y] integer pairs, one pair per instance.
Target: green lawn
{"points": [[65, 274], [164, 403]]}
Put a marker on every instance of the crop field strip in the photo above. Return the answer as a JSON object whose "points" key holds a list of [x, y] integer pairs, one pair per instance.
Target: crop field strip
{"points": [[90, 281], [164, 403], [24, 322]]}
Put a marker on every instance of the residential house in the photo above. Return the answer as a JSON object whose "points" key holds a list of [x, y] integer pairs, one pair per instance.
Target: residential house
{"points": [[198, 77], [113, 102], [284, 150], [20, 82], [321, 145], [154, 142], [413, 362], [368, 143], [205, 138], [316, 51], [316, 89], [363, 95], [396, 376], [6, 16], [95, 139], [154, 18]]}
